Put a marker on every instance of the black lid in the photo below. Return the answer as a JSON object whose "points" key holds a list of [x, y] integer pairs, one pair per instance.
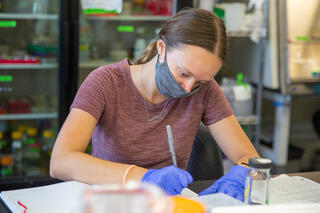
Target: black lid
{"points": [[260, 163]]}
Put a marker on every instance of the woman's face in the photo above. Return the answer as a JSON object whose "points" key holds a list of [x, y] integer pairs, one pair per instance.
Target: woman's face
{"points": [[191, 65]]}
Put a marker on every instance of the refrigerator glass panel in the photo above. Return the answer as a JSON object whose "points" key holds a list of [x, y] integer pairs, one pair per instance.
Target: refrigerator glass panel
{"points": [[109, 38], [28, 85]]}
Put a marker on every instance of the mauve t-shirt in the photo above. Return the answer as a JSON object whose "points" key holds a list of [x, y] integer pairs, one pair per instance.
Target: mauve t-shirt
{"points": [[123, 133]]}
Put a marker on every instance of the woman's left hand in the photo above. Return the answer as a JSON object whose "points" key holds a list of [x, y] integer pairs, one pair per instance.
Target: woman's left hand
{"points": [[232, 183]]}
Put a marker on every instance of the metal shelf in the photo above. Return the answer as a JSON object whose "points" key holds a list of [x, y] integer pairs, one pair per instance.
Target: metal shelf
{"points": [[247, 120], [28, 66], [83, 65], [305, 80], [23, 16], [311, 42], [29, 116], [93, 64], [129, 18]]}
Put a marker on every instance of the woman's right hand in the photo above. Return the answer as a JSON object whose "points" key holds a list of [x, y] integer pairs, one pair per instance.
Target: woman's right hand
{"points": [[171, 179]]}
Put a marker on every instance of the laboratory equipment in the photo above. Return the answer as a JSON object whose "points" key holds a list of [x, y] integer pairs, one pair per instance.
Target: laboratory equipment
{"points": [[129, 198], [257, 186]]}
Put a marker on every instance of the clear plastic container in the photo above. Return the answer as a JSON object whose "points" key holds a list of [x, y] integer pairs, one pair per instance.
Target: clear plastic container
{"points": [[131, 198], [257, 186]]}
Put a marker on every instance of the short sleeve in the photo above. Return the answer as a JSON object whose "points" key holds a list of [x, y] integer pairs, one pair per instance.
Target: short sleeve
{"points": [[91, 96], [215, 104]]}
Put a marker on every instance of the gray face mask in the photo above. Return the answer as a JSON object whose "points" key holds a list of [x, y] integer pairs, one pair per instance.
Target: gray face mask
{"points": [[166, 83]]}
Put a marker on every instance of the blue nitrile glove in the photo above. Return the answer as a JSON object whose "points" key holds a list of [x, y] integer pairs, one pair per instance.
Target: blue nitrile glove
{"points": [[232, 183], [171, 179]]}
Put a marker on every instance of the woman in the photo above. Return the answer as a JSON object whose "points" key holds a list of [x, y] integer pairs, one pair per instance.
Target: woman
{"points": [[125, 109]]}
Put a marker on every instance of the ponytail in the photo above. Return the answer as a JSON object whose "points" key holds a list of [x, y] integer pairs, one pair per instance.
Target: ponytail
{"points": [[148, 54]]}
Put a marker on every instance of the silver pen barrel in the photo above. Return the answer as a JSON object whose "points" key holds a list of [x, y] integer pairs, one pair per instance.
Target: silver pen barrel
{"points": [[171, 145]]}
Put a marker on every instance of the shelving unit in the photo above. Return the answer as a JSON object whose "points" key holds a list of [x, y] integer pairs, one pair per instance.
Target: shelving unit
{"points": [[129, 18], [85, 65], [254, 119], [292, 85], [29, 116], [28, 66]]}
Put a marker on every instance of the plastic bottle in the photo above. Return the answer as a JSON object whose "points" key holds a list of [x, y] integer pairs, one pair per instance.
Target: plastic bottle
{"points": [[45, 155], [6, 166], [257, 20], [257, 181], [1, 5], [32, 152], [17, 152]]}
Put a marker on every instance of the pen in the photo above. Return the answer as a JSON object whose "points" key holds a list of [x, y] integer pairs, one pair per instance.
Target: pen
{"points": [[171, 146]]}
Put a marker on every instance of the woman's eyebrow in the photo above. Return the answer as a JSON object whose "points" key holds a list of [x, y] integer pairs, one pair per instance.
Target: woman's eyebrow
{"points": [[190, 73]]}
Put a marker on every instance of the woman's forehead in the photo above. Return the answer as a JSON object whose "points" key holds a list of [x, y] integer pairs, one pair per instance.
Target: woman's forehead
{"points": [[196, 60]]}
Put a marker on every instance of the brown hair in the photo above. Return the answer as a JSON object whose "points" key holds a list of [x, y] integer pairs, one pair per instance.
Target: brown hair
{"points": [[190, 26]]}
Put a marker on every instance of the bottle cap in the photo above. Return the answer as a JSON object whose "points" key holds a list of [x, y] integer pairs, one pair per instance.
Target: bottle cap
{"points": [[47, 133], [22, 128], [32, 131], [260, 163], [16, 135]]}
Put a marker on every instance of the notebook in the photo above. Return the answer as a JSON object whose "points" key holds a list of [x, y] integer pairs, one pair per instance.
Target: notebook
{"points": [[60, 197], [295, 189]]}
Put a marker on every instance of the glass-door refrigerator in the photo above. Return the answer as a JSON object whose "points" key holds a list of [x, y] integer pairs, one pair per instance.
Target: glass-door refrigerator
{"points": [[47, 48], [29, 38]]}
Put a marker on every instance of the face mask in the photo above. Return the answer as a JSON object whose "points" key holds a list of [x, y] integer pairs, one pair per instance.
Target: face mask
{"points": [[166, 83]]}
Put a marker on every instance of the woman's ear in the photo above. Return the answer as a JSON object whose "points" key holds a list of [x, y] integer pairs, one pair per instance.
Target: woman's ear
{"points": [[161, 50]]}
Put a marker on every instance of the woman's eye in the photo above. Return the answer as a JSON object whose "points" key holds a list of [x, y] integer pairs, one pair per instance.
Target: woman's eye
{"points": [[182, 73]]}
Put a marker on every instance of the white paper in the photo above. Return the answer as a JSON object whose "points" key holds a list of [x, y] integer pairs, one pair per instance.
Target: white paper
{"points": [[188, 193], [60, 197], [218, 200], [282, 208], [212, 200], [102, 4], [285, 189]]}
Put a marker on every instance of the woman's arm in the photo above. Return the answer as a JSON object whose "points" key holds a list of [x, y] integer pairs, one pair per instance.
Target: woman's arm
{"points": [[69, 162], [232, 140]]}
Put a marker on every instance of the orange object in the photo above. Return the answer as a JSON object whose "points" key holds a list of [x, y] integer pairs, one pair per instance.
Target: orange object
{"points": [[187, 205], [6, 161]]}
